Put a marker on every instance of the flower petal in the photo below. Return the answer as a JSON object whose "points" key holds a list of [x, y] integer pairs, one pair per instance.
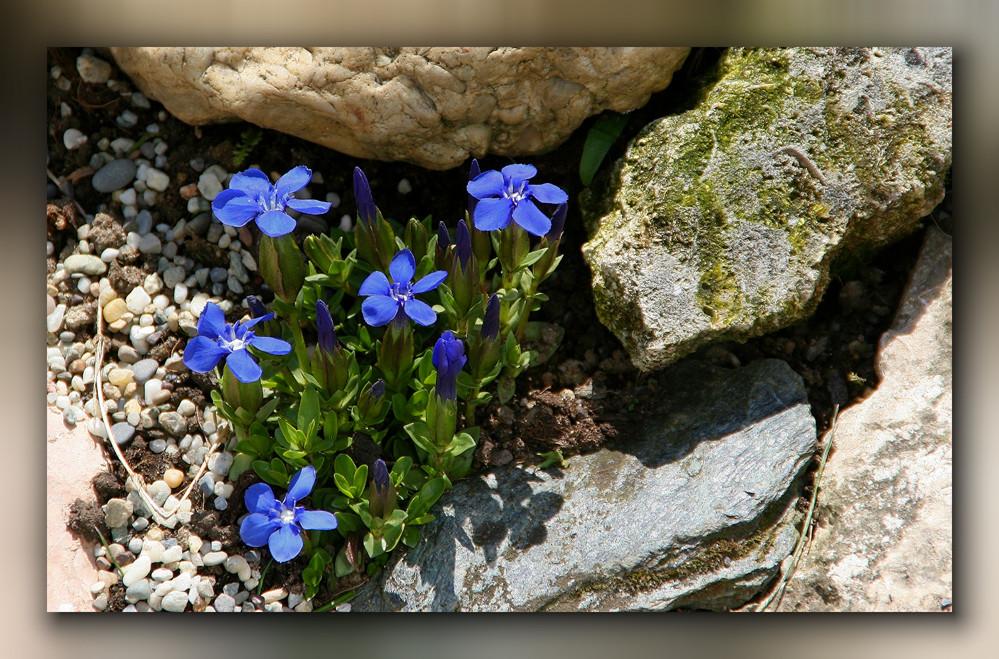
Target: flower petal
{"points": [[243, 366], [319, 520], [376, 284], [293, 181], [527, 215], [379, 310], [310, 206], [276, 223], [259, 498], [549, 193], [257, 529], [202, 354], [286, 543], [517, 173], [211, 324], [485, 185], [420, 312], [300, 486], [259, 319], [403, 267], [492, 214], [234, 208], [271, 345], [430, 282], [253, 182]]}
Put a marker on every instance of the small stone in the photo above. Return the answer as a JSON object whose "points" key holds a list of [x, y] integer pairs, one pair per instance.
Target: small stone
{"points": [[150, 244], [186, 408], [87, 264], [274, 595], [136, 571], [119, 377], [73, 139], [215, 558], [122, 432], [157, 446], [137, 300], [100, 602], [225, 603], [161, 574], [93, 69], [128, 354], [175, 601], [140, 590], [143, 370], [220, 463], [173, 423], [117, 512], [173, 477], [115, 175]]}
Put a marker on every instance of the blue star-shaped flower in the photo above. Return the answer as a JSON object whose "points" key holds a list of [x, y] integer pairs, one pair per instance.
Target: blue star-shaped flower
{"points": [[279, 524], [506, 194], [252, 197], [388, 299], [217, 339]]}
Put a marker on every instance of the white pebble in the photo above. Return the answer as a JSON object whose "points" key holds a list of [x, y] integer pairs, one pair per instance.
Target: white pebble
{"points": [[73, 139], [137, 300], [404, 186]]}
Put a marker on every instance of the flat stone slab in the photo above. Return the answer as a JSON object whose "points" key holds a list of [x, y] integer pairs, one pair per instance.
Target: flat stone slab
{"points": [[694, 511], [885, 537]]}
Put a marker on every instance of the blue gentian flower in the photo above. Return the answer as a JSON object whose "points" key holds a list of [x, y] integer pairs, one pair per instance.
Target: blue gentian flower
{"points": [[506, 195], [252, 197], [448, 358], [558, 223], [388, 299], [279, 524], [217, 339]]}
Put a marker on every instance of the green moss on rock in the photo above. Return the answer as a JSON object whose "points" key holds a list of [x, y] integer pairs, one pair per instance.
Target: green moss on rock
{"points": [[723, 222]]}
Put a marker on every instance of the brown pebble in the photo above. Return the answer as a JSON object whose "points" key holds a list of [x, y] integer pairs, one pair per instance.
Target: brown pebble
{"points": [[189, 191], [173, 478], [77, 366]]}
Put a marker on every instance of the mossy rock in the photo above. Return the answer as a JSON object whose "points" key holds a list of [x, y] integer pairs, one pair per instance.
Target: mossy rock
{"points": [[722, 223]]}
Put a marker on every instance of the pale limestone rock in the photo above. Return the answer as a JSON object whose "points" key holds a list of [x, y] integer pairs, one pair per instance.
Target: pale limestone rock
{"points": [[434, 107]]}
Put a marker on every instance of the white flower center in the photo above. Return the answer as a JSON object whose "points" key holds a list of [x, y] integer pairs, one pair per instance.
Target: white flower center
{"points": [[232, 346], [287, 515], [270, 202], [515, 195], [400, 292]]}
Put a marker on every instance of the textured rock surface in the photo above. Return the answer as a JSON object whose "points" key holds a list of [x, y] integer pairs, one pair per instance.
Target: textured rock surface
{"points": [[73, 459], [722, 222], [695, 511], [430, 106], [885, 543]]}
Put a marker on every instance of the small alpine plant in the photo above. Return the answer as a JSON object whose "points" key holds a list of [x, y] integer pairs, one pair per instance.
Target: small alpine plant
{"points": [[354, 379]]}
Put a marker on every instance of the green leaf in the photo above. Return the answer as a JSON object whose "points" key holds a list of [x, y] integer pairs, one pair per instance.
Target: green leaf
{"points": [[599, 140], [551, 457], [419, 432], [293, 437], [410, 536], [360, 478], [344, 466], [342, 566], [431, 491], [533, 257], [343, 484], [461, 442], [347, 522]]}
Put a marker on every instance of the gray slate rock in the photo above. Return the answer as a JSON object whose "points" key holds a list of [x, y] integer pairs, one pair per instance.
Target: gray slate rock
{"points": [[115, 175], [694, 511], [722, 223], [888, 484]]}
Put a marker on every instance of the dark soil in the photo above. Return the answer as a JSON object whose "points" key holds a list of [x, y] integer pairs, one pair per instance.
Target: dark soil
{"points": [[585, 395]]}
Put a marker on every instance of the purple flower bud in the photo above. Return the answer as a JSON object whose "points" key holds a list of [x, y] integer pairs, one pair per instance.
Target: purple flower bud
{"points": [[443, 237], [448, 358], [324, 327], [377, 389], [490, 323], [463, 244], [558, 223], [257, 309], [380, 476], [472, 173], [366, 209]]}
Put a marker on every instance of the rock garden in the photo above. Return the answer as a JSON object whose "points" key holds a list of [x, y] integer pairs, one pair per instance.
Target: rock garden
{"points": [[499, 329]]}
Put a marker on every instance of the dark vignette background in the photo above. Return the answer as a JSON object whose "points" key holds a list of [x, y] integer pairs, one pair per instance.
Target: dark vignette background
{"points": [[966, 25]]}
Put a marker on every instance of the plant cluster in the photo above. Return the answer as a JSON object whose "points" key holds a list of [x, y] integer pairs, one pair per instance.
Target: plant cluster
{"points": [[380, 343]]}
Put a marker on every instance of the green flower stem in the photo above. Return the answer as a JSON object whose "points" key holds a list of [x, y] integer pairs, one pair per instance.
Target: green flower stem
{"points": [[298, 343]]}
